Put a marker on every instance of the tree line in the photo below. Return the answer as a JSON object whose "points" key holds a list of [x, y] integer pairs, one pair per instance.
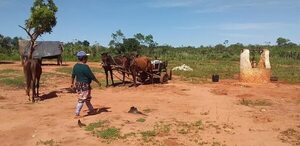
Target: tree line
{"points": [[145, 45]]}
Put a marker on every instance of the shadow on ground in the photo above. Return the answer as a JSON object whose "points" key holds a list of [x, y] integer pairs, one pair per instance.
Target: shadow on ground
{"points": [[98, 111], [6, 62]]}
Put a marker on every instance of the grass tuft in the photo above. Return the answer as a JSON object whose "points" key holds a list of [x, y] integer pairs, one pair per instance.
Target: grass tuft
{"points": [[148, 135], [109, 133], [17, 82], [50, 142], [248, 102], [141, 120], [95, 125]]}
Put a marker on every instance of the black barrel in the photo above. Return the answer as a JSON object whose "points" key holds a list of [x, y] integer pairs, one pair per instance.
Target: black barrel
{"points": [[215, 78]]}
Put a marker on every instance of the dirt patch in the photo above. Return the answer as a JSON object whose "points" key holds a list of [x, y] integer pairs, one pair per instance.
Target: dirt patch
{"points": [[219, 91], [177, 113], [290, 136], [245, 95]]}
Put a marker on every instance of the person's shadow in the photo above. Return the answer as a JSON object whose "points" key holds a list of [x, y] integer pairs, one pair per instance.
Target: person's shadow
{"points": [[98, 111]]}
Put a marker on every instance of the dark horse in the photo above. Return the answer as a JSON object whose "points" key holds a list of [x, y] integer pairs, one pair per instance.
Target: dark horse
{"points": [[32, 70], [121, 63]]}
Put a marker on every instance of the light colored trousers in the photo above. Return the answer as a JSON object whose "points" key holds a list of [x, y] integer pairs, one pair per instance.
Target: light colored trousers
{"points": [[84, 97]]}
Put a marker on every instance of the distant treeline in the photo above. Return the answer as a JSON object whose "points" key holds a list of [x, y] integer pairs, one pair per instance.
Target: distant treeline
{"points": [[145, 45]]}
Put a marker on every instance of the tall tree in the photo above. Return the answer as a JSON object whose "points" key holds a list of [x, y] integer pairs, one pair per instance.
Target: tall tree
{"points": [[131, 45], [86, 43], [117, 40], [42, 19], [140, 37], [282, 41]]}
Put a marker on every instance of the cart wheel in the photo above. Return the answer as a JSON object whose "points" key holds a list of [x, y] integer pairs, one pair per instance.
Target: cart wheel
{"points": [[169, 74], [143, 77], [163, 77]]}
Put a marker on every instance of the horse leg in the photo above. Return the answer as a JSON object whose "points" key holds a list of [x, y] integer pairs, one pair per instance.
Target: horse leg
{"points": [[134, 78], [60, 59], [34, 75], [106, 76], [111, 76], [28, 77], [33, 90], [123, 73], [28, 82], [38, 85]]}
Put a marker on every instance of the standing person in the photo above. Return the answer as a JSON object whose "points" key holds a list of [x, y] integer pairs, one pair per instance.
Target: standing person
{"points": [[84, 76]]}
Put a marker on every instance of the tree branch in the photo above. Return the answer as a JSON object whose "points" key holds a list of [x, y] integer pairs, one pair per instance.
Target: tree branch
{"points": [[26, 31]]}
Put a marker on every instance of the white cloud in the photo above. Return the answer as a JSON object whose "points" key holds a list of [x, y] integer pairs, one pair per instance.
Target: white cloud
{"points": [[253, 26], [217, 6], [172, 3], [188, 27], [239, 35]]}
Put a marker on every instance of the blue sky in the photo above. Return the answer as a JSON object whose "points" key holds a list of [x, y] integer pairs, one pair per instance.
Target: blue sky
{"points": [[173, 22]]}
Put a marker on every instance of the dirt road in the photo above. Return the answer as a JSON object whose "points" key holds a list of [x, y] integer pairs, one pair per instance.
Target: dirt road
{"points": [[178, 113]]}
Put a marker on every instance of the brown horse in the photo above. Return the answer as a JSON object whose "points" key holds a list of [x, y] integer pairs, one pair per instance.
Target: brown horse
{"points": [[121, 63], [141, 65], [32, 70]]}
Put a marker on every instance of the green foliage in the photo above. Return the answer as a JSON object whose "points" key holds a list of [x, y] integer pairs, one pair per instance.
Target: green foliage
{"points": [[8, 45], [117, 41], [42, 18], [66, 70], [108, 133], [11, 78], [13, 82], [148, 135], [248, 102], [215, 144], [141, 120], [93, 126], [130, 45], [161, 128], [50, 142], [282, 41]]}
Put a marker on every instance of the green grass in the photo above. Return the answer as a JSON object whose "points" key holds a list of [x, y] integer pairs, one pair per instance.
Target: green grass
{"points": [[10, 71], [248, 102], [66, 70], [215, 144], [148, 135], [162, 128], [203, 70], [97, 69], [17, 82], [141, 120], [108, 133], [147, 110], [11, 57], [50, 142], [198, 124], [93, 126], [12, 78], [286, 70], [205, 62]]}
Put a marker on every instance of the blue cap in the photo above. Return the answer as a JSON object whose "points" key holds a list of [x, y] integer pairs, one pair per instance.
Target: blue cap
{"points": [[81, 54]]}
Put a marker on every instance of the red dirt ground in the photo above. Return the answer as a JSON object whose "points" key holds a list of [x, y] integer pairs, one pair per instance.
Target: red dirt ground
{"points": [[218, 105]]}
